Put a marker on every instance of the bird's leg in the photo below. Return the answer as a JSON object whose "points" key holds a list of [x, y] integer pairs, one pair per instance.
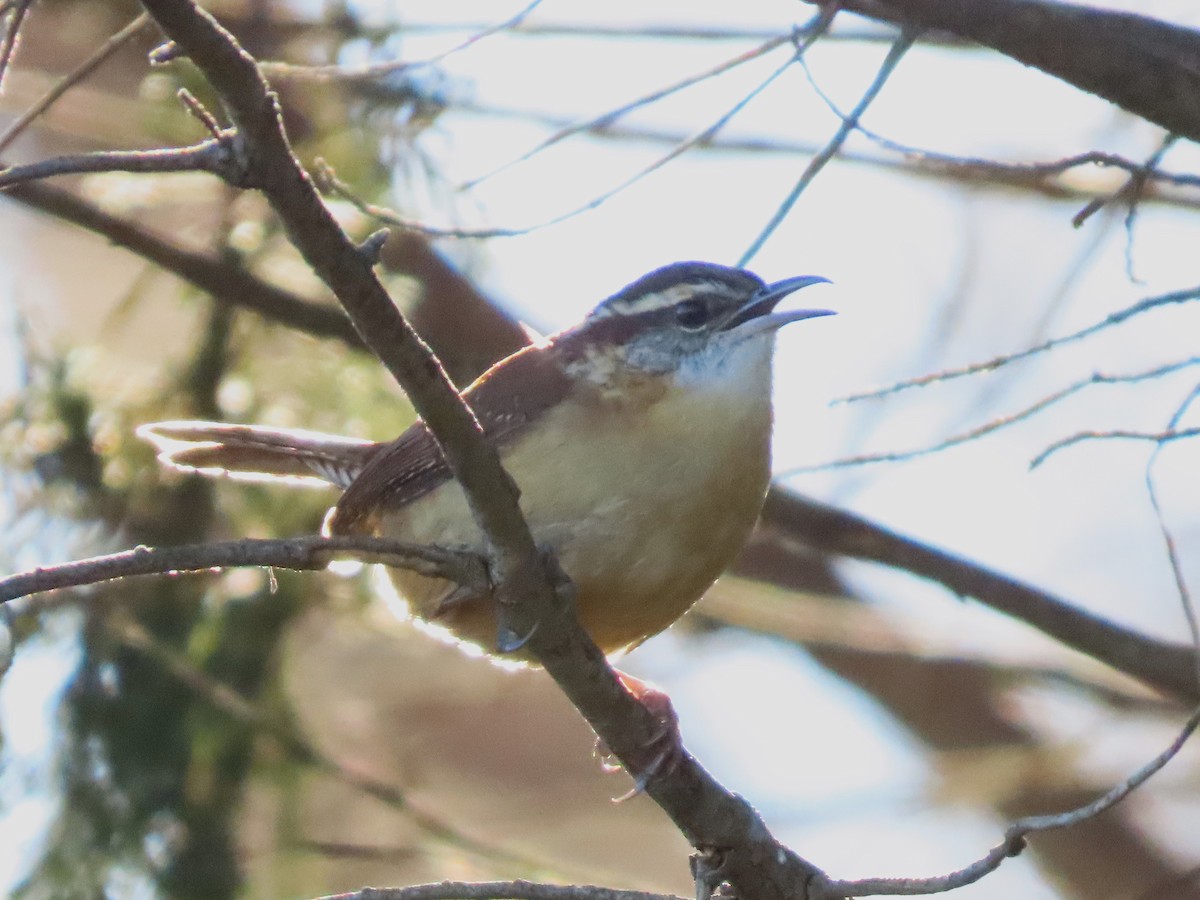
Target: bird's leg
{"points": [[662, 753], [462, 595]]}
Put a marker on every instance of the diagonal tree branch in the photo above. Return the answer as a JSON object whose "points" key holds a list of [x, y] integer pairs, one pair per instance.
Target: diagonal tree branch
{"points": [[1093, 49], [1168, 667], [64, 84], [710, 817], [226, 283]]}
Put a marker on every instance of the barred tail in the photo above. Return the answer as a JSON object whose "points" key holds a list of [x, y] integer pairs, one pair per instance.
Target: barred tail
{"points": [[256, 453]]}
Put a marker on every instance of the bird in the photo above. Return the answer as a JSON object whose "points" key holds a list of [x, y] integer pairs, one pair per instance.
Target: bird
{"points": [[639, 440]]}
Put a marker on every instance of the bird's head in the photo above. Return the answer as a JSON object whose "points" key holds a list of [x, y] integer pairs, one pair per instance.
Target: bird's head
{"points": [[696, 322]]}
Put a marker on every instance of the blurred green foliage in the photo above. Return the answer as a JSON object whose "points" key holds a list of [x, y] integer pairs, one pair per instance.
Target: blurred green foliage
{"points": [[148, 770]]}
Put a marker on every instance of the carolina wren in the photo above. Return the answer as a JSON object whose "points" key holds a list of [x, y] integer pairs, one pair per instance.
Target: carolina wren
{"points": [[640, 441]]}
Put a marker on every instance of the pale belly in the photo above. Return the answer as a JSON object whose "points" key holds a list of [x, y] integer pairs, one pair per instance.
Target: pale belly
{"points": [[643, 522]]}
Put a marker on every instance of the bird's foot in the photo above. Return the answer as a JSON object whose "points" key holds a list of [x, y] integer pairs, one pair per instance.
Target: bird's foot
{"points": [[462, 595], [507, 639], [661, 754]]}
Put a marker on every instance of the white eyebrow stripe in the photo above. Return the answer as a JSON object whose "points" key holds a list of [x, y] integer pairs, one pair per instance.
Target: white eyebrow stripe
{"points": [[660, 299]]}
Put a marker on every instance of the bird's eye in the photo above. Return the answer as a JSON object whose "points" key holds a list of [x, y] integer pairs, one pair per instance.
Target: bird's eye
{"points": [[691, 314]]}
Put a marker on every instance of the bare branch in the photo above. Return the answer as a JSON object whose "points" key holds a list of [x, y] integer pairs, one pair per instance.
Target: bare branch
{"points": [[1015, 835], [303, 553], [72, 78], [707, 814], [1130, 193], [200, 113], [214, 156], [1116, 318], [1185, 597], [11, 19], [604, 30], [1039, 177], [1148, 170], [856, 637], [288, 71], [498, 890], [1133, 190], [1031, 175], [254, 108], [1001, 422], [606, 119], [226, 283], [818, 162], [1104, 47], [1160, 438], [329, 179], [1133, 186], [1165, 666]]}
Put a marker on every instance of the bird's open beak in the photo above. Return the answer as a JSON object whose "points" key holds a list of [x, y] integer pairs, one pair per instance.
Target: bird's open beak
{"points": [[759, 308]]}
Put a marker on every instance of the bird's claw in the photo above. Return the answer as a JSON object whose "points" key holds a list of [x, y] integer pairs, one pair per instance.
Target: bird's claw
{"points": [[508, 639], [664, 750]]}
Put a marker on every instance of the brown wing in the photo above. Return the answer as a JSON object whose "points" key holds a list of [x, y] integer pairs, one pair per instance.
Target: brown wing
{"points": [[506, 399]]}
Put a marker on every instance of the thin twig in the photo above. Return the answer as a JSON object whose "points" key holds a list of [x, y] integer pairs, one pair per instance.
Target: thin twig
{"points": [[1116, 318], [1181, 587], [998, 423], [1148, 170], [498, 890], [602, 31], [1015, 835], [818, 162], [213, 156], [1136, 191], [289, 71], [1133, 184], [303, 553], [72, 78], [976, 171], [10, 28], [1117, 434], [200, 113], [328, 179], [606, 119]]}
